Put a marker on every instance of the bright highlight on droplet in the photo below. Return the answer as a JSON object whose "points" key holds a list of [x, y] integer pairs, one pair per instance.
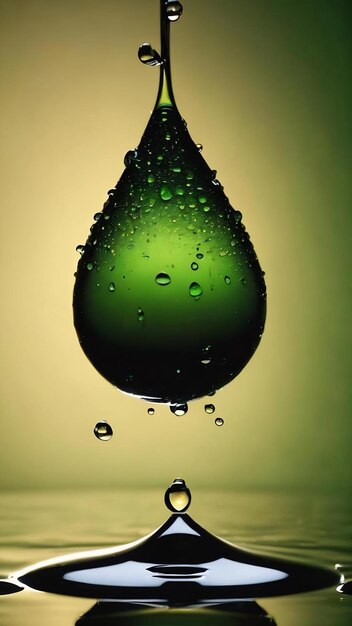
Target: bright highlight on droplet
{"points": [[178, 496], [174, 10], [103, 431]]}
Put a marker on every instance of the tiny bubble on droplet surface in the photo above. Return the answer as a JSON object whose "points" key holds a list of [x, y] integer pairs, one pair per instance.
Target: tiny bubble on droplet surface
{"points": [[103, 431], [148, 55], [162, 279], [178, 496], [194, 266], [130, 156], [150, 411], [111, 286], [174, 10], [179, 409], [195, 290], [227, 280], [80, 248], [219, 421], [209, 408], [140, 315], [165, 193]]}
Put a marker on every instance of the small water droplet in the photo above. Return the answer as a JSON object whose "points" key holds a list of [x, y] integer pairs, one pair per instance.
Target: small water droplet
{"points": [[179, 191], [189, 176], [199, 146], [227, 280], [163, 279], [238, 216], [111, 286], [206, 209], [140, 315], [205, 361], [174, 10], [89, 266], [194, 266], [211, 393], [209, 408], [130, 156], [199, 255], [80, 248], [97, 216], [151, 178], [202, 199], [219, 421], [243, 281], [150, 411], [103, 431], [179, 409], [148, 55], [195, 290], [176, 169], [178, 496], [165, 193]]}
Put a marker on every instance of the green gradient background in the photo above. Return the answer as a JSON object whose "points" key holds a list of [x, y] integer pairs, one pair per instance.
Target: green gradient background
{"points": [[264, 87]]}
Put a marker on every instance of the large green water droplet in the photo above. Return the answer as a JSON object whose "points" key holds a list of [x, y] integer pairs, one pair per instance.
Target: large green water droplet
{"points": [[150, 236]]}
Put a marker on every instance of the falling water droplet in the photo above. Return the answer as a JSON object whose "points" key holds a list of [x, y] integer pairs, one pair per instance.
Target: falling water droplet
{"points": [[103, 431], [219, 421], [194, 266], [174, 10], [179, 408], [163, 279], [150, 411], [148, 55], [195, 290], [178, 496], [209, 408]]}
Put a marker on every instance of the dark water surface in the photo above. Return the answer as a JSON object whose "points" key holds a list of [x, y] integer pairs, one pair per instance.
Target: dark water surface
{"points": [[313, 529]]}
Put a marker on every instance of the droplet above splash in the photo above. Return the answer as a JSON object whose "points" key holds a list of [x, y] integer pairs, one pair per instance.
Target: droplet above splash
{"points": [[103, 431], [178, 496]]}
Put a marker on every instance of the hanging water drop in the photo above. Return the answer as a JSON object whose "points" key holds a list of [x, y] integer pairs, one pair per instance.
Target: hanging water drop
{"points": [[80, 249], [209, 408], [103, 431], [148, 55], [178, 496], [174, 10], [179, 408], [163, 279], [168, 221], [219, 421]]}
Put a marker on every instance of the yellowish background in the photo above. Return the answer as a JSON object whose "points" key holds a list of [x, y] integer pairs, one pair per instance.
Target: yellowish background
{"points": [[264, 87]]}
